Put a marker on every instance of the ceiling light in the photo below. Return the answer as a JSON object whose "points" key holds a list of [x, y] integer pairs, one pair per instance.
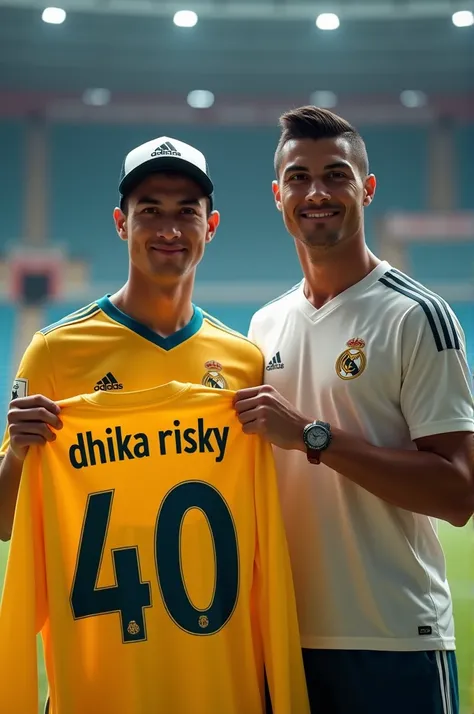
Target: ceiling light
{"points": [[324, 99], [96, 97], [463, 18], [327, 21], [413, 98], [185, 18], [200, 99], [54, 15]]}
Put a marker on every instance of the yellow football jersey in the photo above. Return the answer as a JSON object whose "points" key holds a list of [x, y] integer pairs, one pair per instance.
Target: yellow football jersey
{"points": [[148, 549], [99, 348]]}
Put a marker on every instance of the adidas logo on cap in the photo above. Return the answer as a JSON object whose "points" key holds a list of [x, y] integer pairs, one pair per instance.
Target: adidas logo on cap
{"points": [[107, 383], [166, 149]]}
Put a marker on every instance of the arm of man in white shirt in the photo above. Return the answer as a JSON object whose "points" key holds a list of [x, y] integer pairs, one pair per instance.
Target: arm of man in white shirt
{"points": [[436, 479]]}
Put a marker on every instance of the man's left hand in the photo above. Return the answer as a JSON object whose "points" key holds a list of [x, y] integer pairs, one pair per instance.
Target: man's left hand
{"points": [[262, 410]]}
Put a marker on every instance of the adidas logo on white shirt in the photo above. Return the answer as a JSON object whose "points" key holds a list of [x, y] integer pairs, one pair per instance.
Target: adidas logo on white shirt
{"points": [[107, 383], [275, 363]]}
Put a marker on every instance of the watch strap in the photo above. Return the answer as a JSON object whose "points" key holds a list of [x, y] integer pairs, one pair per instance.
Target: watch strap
{"points": [[313, 455]]}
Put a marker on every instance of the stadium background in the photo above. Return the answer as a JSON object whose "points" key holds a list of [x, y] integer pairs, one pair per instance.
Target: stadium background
{"points": [[75, 97]]}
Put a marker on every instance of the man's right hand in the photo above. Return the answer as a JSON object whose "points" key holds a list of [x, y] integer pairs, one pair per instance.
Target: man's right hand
{"points": [[30, 421]]}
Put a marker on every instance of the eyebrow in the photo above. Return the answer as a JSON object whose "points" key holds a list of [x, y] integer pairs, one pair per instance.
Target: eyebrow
{"points": [[157, 202], [339, 165], [295, 167], [334, 165]]}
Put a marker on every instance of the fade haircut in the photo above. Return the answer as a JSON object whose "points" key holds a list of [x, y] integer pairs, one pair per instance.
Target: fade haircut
{"points": [[315, 123]]}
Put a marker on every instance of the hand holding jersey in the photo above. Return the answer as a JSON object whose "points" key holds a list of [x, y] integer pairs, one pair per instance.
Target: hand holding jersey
{"points": [[262, 410], [29, 421]]}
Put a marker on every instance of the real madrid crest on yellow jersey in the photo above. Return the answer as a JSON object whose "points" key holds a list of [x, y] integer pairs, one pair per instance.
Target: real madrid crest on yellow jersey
{"points": [[352, 362], [213, 377]]}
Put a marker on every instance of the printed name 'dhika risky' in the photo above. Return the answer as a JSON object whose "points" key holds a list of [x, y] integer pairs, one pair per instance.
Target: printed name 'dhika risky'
{"points": [[90, 450]]}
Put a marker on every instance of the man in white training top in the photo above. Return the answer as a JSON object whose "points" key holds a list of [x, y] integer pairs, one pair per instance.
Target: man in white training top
{"points": [[369, 404]]}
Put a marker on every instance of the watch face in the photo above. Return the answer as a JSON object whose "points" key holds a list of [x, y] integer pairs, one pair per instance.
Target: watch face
{"points": [[317, 437]]}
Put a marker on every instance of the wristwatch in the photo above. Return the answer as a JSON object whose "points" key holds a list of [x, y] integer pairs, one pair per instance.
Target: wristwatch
{"points": [[317, 437]]}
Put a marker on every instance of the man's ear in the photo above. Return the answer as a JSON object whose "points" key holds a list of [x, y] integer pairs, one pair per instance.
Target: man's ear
{"points": [[120, 220], [369, 189], [276, 194], [212, 225]]}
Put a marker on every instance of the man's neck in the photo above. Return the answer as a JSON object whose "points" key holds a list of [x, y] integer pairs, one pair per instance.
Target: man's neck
{"points": [[165, 310], [335, 273]]}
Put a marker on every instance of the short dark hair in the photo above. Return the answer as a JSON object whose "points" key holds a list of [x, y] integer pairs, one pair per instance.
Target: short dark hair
{"points": [[315, 123]]}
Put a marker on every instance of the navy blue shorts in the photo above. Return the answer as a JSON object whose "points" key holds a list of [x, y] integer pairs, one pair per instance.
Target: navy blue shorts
{"points": [[369, 682]]}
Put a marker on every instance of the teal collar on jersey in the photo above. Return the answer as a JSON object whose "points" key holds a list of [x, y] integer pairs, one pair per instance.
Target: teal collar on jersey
{"points": [[166, 343]]}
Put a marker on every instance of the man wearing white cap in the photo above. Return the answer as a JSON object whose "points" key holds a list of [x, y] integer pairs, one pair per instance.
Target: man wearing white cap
{"points": [[147, 333]]}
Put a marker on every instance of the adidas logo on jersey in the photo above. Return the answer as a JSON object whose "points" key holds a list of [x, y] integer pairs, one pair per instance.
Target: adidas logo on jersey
{"points": [[107, 383], [275, 363], [166, 149]]}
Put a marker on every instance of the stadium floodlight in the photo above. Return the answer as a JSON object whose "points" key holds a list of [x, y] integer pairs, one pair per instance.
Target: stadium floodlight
{"points": [[96, 97], [185, 18], [327, 21], [463, 18], [323, 98], [413, 98], [53, 15], [200, 99]]}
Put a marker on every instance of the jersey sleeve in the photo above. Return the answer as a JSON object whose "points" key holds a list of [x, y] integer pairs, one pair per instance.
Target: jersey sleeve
{"points": [[276, 598], [34, 376], [436, 392], [23, 605]]}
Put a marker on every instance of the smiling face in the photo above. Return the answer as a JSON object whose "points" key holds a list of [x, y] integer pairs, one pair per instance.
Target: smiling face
{"points": [[167, 225], [322, 191]]}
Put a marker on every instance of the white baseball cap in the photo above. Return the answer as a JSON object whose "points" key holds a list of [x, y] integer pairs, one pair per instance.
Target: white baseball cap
{"points": [[164, 155]]}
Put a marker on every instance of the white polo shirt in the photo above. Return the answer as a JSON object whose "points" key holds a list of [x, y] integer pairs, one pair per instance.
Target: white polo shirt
{"points": [[384, 360]]}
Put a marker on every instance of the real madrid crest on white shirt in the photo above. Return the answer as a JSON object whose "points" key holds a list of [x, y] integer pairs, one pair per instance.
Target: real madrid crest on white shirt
{"points": [[351, 363]]}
